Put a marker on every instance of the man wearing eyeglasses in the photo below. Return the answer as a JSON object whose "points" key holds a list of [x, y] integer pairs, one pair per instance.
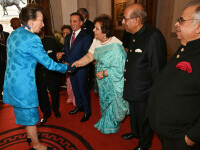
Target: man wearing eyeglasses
{"points": [[146, 56], [174, 102]]}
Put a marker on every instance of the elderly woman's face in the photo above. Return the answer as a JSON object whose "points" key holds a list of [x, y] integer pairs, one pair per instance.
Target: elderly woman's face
{"points": [[98, 33], [36, 25]]}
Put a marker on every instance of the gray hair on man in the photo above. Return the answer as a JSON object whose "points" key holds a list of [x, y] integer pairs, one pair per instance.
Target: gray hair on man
{"points": [[139, 14], [196, 15]]}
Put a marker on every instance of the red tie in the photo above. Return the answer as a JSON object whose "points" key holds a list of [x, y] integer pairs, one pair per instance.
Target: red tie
{"points": [[2, 39], [73, 38]]}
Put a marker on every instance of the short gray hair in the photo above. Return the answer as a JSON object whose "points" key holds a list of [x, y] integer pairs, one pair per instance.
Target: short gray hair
{"points": [[139, 14], [192, 3], [84, 11], [196, 15]]}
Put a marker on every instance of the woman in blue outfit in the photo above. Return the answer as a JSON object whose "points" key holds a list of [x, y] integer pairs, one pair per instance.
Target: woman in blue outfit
{"points": [[110, 58], [24, 51]]}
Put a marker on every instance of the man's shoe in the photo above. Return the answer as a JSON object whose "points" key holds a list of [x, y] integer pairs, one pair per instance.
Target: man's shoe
{"points": [[140, 148], [128, 136], [74, 111], [57, 114], [86, 116], [43, 120]]}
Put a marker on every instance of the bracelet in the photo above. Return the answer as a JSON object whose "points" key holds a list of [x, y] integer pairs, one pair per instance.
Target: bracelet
{"points": [[104, 74]]}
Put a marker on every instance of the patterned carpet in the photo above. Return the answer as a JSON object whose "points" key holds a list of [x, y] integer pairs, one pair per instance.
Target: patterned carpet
{"points": [[66, 132]]}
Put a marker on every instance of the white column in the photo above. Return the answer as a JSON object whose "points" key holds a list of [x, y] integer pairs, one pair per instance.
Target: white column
{"points": [[57, 20], [92, 9], [104, 7], [68, 7]]}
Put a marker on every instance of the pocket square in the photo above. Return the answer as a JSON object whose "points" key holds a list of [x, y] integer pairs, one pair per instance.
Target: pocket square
{"points": [[138, 50], [49, 51], [185, 66]]}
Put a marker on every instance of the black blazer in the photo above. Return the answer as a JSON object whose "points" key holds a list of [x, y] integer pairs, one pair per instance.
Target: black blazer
{"points": [[2, 58], [6, 35], [146, 56], [174, 101], [51, 47], [88, 27]]}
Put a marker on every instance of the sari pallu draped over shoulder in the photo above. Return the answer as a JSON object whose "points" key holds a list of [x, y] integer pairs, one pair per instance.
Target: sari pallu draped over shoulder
{"points": [[113, 108]]}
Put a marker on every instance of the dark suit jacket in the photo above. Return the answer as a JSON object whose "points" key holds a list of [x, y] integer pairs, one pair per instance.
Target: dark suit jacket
{"points": [[88, 27], [2, 65], [174, 101], [146, 56], [51, 47], [79, 48], [5, 34]]}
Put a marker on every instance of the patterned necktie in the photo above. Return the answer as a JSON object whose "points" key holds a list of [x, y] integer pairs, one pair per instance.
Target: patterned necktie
{"points": [[73, 38], [2, 39]]}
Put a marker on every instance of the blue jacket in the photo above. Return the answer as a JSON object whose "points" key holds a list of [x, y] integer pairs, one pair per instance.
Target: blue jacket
{"points": [[24, 51]]}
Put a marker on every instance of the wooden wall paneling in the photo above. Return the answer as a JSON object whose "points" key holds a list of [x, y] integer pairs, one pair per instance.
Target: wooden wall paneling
{"points": [[151, 7], [47, 16]]}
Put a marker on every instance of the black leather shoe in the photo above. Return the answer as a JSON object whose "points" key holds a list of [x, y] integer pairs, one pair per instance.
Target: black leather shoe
{"points": [[128, 136], [43, 120], [74, 111], [57, 114], [140, 148], [86, 116]]}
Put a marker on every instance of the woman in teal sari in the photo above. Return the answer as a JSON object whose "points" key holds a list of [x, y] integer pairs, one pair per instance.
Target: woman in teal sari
{"points": [[110, 58]]}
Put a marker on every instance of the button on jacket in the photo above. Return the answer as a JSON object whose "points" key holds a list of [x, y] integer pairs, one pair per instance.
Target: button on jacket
{"points": [[145, 58]]}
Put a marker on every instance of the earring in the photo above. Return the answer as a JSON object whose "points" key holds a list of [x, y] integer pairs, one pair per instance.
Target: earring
{"points": [[105, 37]]}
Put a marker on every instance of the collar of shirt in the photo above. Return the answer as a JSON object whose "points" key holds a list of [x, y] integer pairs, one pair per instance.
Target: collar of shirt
{"points": [[76, 33], [139, 32]]}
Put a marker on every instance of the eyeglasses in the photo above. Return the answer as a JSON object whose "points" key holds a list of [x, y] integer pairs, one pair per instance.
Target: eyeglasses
{"points": [[180, 20], [128, 18]]}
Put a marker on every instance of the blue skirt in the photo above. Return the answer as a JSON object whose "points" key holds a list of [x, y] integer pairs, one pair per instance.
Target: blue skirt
{"points": [[26, 116]]}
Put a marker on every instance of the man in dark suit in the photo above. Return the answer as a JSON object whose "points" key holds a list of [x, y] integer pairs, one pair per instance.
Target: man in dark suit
{"points": [[75, 47], [47, 80], [174, 102], [3, 35], [88, 25], [2, 67], [146, 56]]}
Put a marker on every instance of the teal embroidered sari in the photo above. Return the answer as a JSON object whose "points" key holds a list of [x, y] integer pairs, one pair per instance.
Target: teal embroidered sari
{"points": [[113, 108]]}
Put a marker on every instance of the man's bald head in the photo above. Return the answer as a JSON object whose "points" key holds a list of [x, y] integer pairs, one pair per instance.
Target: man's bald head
{"points": [[137, 11], [136, 6], [134, 18]]}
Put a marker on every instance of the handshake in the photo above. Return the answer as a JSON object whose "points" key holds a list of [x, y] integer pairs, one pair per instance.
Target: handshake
{"points": [[71, 67]]}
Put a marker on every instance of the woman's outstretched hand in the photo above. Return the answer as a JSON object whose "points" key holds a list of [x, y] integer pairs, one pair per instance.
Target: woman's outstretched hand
{"points": [[76, 64]]}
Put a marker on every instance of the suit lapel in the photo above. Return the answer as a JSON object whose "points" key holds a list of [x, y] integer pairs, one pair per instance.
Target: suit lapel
{"points": [[77, 39], [68, 41]]}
